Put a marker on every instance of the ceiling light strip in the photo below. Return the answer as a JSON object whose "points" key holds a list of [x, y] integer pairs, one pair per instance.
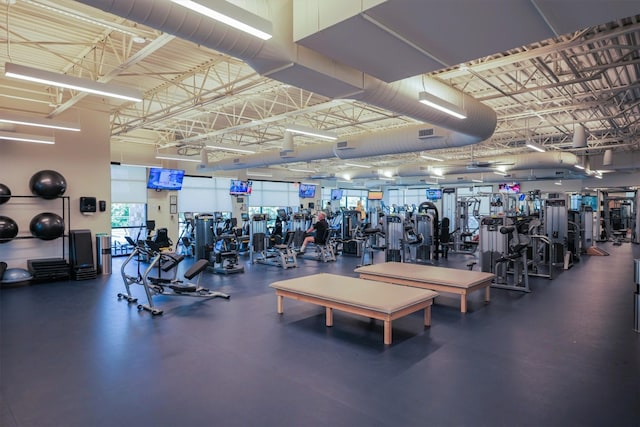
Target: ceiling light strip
{"points": [[431, 158], [356, 165], [236, 150], [75, 83], [535, 146], [232, 15], [311, 132], [25, 137], [178, 158], [38, 122], [441, 105]]}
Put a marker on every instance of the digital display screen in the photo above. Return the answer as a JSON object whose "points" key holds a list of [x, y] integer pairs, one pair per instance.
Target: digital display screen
{"points": [[511, 188], [165, 179], [434, 194], [307, 191], [239, 187], [336, 194], [374, 195]]}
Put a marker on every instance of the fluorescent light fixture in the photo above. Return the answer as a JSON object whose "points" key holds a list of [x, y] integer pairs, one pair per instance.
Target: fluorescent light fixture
{"points": [[558, 183], [355, 165], [62, 80], [231, 15], [266, 175], [536, 147], [25, 137], [140, 166], [386, 178], [301, 170], [441, 105], [38, 122], [598, 175], [477, 180], [499, 173], [178, 158], [431, 158], [235, 150], [579, 167], [311, 132]]}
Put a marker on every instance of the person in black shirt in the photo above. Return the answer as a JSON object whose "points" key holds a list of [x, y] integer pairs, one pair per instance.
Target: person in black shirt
{"points": [[319, 230]]}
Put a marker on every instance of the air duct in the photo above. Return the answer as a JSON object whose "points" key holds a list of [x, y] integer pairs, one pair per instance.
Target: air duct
{"points": [[395, 141], [579, 137], [280, 59], [546, 160]]}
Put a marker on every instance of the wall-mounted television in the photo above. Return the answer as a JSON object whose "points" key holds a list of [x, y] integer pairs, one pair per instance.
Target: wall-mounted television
{"points": [[307, 191], [165, 179], [510, 188], [374, 195], [336, 194], [239, 187], [434, 194]]}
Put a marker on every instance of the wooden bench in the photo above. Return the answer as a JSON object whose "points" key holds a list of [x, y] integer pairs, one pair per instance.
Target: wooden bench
{"points": [[441, 279], [376, 300]]}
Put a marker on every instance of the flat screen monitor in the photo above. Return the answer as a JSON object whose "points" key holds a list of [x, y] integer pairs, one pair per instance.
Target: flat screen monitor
{"points": [[239, 187], [374, 195], [307, 191], [336, 194], [510, 188], [165, 179], [434, 194]]}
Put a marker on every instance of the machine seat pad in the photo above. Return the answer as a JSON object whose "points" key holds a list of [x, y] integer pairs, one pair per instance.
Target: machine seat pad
{"points": [[196, 269], [170, 260]]}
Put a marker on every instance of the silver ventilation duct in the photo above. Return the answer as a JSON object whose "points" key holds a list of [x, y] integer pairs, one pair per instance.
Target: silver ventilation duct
{"points": [[282, 60], [519, 162]]}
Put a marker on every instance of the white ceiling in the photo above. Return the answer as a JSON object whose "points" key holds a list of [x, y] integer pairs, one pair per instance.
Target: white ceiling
{"points": [[542, 66]]}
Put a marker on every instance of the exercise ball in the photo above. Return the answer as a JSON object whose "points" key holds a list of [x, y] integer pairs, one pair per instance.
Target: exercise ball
{"points": [[15, 275], [5, 194], [8, 229], [48, 184], [47, 226]]}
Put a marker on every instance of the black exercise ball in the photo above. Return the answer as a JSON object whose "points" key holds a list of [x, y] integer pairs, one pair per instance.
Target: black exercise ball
{"points": [[48, 184], [47, 226], [8, 229], [5, 194]]}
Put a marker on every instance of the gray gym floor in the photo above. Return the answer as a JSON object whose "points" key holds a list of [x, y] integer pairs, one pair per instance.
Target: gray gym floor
{"points": [[563, 355]]}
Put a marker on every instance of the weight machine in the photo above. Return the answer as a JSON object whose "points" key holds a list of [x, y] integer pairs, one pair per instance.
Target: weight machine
{"points": [[394, 235], [224, 256], [503, 251], [155, 286], [549, 240], [280, 255], [463, 234]]}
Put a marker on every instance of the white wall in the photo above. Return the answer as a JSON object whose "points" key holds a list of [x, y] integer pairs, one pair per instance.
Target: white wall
{"points": [[83, 158]]}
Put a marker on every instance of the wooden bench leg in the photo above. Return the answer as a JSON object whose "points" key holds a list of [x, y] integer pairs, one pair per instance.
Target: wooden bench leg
{"points": [[329, 314], [427, 316], [463, 303], [487, 294], [280, 305], [387, 332]]}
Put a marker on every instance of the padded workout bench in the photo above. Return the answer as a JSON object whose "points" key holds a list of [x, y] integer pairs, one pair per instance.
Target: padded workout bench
{"points": [[376, 300], [441, 279]]}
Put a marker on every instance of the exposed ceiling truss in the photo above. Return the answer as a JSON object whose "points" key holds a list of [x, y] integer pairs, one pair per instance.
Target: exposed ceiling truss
{"points": [[194, 96]]}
